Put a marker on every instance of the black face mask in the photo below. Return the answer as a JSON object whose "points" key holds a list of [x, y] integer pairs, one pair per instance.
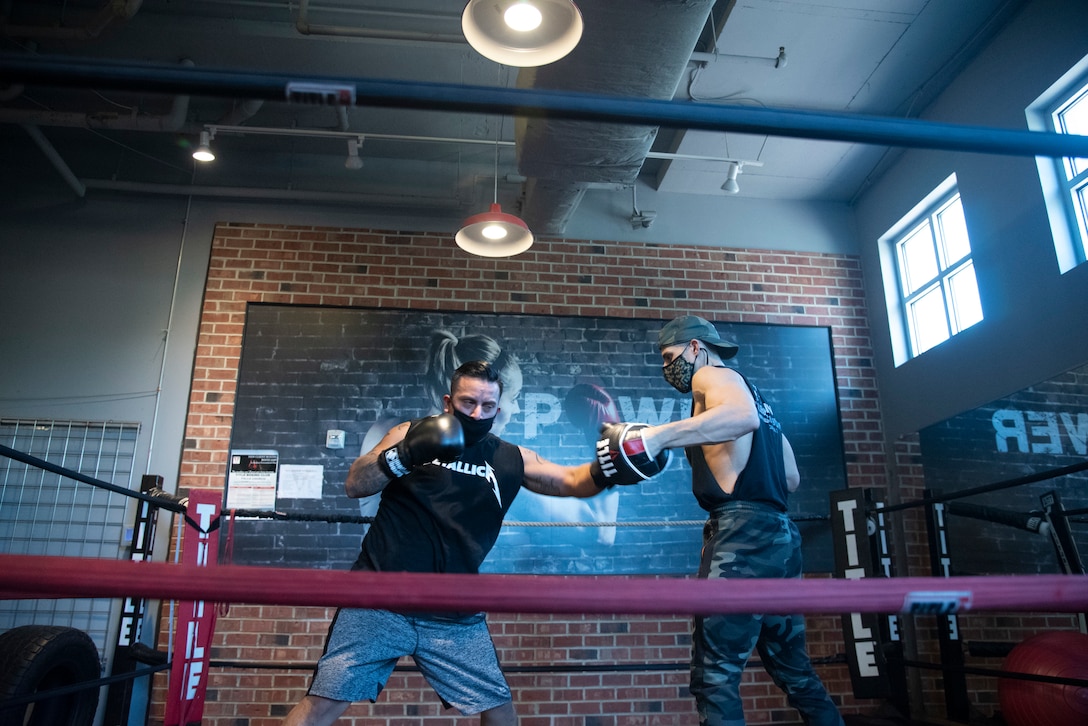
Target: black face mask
{"points": [[474, 429]]}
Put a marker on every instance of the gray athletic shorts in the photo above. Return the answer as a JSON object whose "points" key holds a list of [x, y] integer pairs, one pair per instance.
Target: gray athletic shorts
{"points": [[457, 657]]}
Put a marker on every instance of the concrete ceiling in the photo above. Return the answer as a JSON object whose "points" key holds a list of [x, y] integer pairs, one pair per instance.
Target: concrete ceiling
{"points": [[871, 57]]}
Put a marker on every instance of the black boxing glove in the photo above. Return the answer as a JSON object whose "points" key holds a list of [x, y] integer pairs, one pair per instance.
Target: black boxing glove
{"points": [[434, 437], [622, 458]]}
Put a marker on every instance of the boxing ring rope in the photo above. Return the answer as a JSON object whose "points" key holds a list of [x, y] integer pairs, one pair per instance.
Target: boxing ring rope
{"points": [[656, 667], [46, 694], [877, 647], [170, 503], [332, 518], [52, 576], [987, 488], [26, 576], [345, 91]]}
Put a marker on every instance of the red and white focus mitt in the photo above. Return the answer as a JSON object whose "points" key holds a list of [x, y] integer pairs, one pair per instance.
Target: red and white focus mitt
{"points": [[622, 458]]}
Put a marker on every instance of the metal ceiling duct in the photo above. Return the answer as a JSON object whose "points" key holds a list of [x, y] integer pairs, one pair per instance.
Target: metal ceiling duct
{"points": [[635, 48], [46, 27]]}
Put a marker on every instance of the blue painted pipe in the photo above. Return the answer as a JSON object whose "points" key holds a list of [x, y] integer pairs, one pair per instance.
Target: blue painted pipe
{"points": [[885, 131]]}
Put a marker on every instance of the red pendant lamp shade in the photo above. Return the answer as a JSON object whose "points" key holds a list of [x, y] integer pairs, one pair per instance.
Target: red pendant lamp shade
{"points": [[494, 233]]}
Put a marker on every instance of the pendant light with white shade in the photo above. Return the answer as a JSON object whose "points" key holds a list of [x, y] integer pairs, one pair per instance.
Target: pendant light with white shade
{"points": [[494, 233], [522, 33]]}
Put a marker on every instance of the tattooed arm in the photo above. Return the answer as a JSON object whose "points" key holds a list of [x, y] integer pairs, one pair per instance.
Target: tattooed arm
{"points": [[551, 479], [365, 477]]}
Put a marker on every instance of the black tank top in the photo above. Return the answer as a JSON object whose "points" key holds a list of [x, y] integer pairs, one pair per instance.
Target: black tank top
{"points": [[763, 478], [445, 517]]}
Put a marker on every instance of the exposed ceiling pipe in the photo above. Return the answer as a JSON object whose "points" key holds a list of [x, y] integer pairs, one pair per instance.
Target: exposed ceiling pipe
{"points": [[303, 25], [637, 48], [55, 158], [380, 201], [242, 111], [170, 121], [112, 11], [222, 129]]}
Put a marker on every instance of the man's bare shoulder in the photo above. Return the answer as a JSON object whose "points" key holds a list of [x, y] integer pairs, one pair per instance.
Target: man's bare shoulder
{"points": [[720, 375]]}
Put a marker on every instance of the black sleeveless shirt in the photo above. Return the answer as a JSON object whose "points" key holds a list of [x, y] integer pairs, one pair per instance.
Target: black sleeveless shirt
{"points": [[445, 517], [763, 478]]}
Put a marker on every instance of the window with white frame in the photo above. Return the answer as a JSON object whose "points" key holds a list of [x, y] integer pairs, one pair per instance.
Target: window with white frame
{"points": [[938, 294], [1063, 109]]}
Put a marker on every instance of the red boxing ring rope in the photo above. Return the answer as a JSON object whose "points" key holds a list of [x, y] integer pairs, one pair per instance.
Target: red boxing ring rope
{"points": [[23, 576]]}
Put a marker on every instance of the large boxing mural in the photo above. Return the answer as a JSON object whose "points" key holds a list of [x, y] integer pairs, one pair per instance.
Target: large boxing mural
{"points": [[1004, 446], [318, 386]]}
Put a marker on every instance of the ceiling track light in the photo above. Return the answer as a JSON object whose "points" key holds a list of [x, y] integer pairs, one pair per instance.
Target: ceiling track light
{"points": [[353, 161], [731, 186], [203, 152], [494, 233], [522, 33], [704, 58], [640, 219]]}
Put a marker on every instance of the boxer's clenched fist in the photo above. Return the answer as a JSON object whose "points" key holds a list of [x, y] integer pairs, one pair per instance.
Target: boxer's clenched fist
{"points": [[435, 437]]}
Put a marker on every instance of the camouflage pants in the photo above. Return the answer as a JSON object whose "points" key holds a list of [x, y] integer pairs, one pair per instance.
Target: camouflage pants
{"points": [[745, 540]]}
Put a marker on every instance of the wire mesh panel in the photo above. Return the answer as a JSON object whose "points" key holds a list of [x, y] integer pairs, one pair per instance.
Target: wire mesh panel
{"points": [[42, 513]]}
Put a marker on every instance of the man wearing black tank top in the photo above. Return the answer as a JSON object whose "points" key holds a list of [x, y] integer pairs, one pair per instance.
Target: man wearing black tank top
{"points": [[743, 470], [446, 483]]}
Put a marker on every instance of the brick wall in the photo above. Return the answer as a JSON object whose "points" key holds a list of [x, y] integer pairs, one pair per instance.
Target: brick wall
{"points": [[990, 628], [1041, 428], [344, 267]]}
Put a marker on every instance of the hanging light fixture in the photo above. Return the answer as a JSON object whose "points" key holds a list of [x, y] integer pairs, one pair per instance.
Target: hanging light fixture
{"points": [[494, 233], [731, 186], [522, 33], [203, 152]]}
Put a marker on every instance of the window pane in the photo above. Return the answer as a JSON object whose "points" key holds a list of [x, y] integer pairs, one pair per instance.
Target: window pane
{"points": [[1075, 166], [1075, 115], [963, 298], [953, 228], [929, 325], [917, 259], [1073, 119], [1080, 207]]}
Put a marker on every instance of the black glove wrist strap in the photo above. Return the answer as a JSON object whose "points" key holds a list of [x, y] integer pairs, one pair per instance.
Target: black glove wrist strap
{"points": [[391, 465], [599, 479]]}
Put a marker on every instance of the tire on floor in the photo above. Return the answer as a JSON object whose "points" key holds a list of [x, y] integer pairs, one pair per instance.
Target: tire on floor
{"points": [[37, 658]]}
